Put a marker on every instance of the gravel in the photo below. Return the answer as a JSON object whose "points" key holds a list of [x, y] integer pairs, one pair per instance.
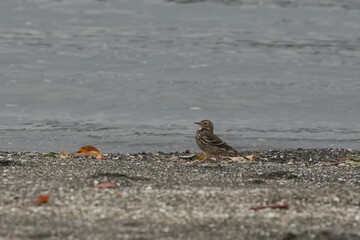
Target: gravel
{"points": [[160, 196]]}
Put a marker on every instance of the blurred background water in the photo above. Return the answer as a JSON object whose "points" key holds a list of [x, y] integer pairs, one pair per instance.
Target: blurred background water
{"points": [[133, 75]]}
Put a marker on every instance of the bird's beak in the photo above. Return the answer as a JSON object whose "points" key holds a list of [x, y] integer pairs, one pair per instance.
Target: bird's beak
{"points": [[198, 123]]}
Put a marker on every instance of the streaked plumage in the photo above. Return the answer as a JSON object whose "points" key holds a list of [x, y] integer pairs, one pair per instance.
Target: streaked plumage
{"points": [[211, 144]]}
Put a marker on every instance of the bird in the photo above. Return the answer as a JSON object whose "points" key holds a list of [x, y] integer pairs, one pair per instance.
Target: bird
{"points": [[211, 144]]}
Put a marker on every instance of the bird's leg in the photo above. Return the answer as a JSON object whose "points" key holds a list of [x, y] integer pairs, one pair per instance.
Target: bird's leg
{"points": [[218, 158]]}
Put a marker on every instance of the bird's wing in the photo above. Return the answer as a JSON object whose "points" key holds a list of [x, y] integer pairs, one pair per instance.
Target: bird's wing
{"points": [[215, 141]]}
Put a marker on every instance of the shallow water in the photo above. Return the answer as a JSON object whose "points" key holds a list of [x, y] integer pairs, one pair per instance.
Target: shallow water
{"points": [[131, 76]]}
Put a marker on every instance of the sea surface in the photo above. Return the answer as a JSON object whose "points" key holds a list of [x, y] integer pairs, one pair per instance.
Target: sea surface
{"points": [[133, 75]]}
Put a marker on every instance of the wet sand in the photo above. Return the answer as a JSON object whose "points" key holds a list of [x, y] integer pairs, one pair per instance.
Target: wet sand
{"points": [[160, 196]]}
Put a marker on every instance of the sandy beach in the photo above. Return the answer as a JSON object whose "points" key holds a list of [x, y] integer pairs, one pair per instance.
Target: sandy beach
{"points": [[133, 76], [160, 196]]}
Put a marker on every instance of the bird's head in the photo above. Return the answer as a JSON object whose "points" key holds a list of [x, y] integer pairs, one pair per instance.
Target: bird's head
{"points": [[206, 124]]}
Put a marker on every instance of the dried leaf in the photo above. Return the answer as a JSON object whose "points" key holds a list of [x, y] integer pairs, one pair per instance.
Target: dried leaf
{"points": [[280, 206], [200, 156], [355, 158], [188, 156], [174, 158], [89, 151], [64, 154], [242, 159], [252, 156], [107, 185], [42, 199]]}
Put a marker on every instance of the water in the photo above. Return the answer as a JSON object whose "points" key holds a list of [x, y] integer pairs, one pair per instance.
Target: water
{"points": [[132, 76]]}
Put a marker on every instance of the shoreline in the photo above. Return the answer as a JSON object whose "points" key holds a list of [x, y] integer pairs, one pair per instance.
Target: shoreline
{"points": [[159, 196]]}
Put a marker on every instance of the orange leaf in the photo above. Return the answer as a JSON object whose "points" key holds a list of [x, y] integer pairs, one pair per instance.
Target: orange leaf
{"points": [[89, 151], [107, 185], [42, 199], [200, 156]]}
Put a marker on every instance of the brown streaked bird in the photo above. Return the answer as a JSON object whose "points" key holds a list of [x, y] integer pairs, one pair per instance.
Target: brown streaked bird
{"points": [[211, 144]]}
